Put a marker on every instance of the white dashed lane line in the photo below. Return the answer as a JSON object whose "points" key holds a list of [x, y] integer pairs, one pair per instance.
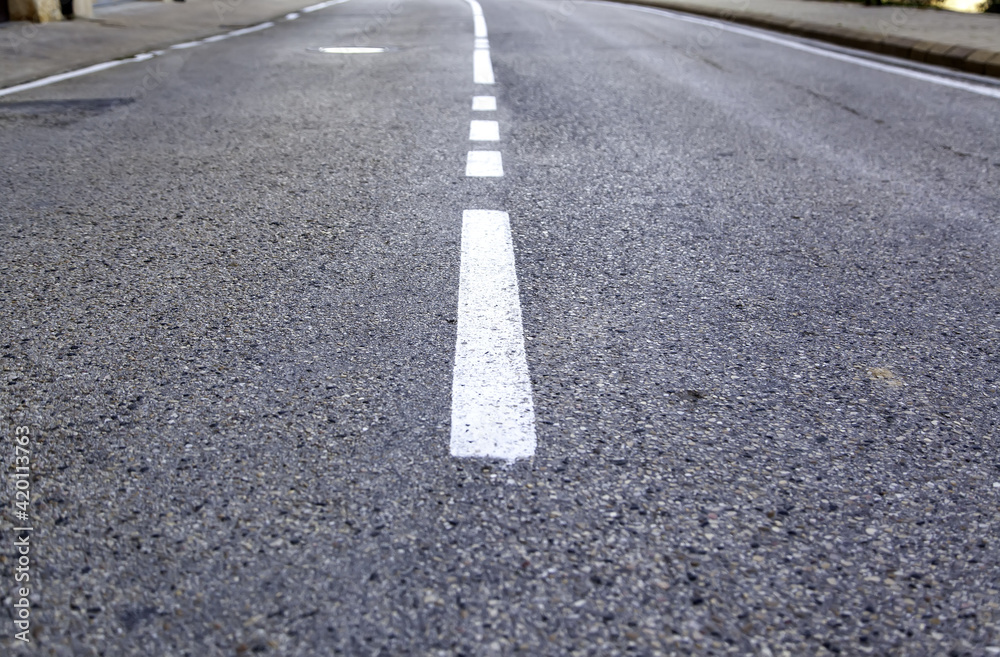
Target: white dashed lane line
{"points": [[492, 412], [484, 164], [484, 131], [484, 103], [482, 66]]}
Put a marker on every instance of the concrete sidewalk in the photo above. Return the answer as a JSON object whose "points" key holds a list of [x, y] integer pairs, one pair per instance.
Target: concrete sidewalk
{"points": [[30, 51], [967, 42]]}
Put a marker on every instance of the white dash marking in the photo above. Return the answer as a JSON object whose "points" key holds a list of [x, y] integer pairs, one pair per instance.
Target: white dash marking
{"points": [[484, 131], [292, 16], [484, 103], [322, 5], [492, 411], [251, 30], [63, 76], [482, 43], [482, 67], [484, 164]]}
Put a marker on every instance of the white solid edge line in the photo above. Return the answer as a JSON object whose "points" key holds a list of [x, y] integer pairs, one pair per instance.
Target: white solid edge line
{"points": [[103, 66], [52, 79], [482, 43], [484, 103], [482, 67], [321, 5], [492, 410], [484, 164], [788, 43], [484, 131], [250, 30]]}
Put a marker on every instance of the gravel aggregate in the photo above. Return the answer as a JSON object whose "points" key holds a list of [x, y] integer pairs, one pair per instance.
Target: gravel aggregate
{"points": [[760, 300]]}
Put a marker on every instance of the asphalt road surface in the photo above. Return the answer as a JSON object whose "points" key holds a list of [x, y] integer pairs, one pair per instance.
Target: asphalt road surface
{"points": [[742, 394]]}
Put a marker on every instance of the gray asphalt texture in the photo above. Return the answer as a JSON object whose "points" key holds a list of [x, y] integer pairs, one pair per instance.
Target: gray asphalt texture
{"points": [[760, 291]]}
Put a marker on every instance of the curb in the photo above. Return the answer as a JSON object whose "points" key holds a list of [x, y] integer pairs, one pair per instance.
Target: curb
{"points": [[962, 58]]}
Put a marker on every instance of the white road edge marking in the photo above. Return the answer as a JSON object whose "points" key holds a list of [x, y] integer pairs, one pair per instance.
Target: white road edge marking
{"points": [[103, 66], [482, 67], [982, 90], [67, 76], [484, 103], [252, 29], [484, 164], [322, 5], [492, 411], [484, 131]]}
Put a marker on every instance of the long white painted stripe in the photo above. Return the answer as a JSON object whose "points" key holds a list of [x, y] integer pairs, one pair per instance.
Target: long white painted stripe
{"points": [[981, 89], [64, 76], [103, 66], [484, 131], [484, 164], [250, 30], [322, 5], [484, 103], [492, 411], [482, 67], [482, 43], [480, 25]]}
